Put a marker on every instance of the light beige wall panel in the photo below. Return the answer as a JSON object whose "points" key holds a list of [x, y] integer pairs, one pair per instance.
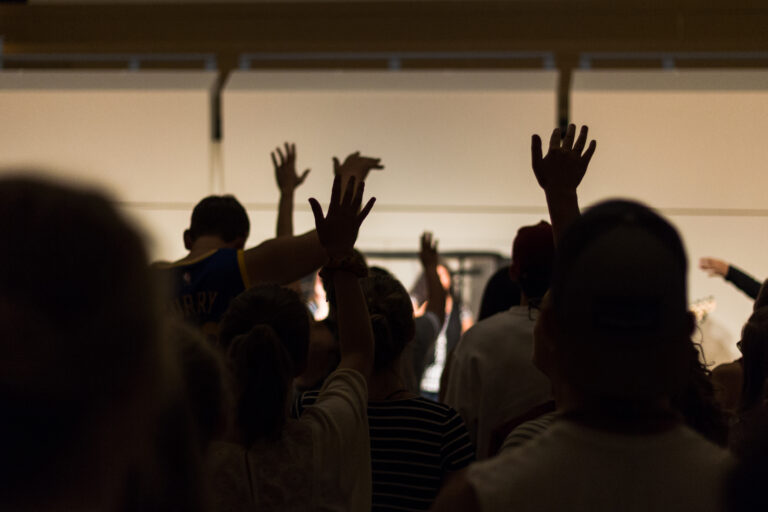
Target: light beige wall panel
{"points": [[446, 138], [144, 136], [676, 139]]}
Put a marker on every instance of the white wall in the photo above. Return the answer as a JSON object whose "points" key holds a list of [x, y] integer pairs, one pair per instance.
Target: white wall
{"points": [[144, 137], [688, 143], [456, 146]]}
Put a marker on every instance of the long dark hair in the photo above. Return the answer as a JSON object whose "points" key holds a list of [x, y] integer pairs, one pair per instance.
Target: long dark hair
{"points": [[754, 347], [391, 316], [266, 330]]}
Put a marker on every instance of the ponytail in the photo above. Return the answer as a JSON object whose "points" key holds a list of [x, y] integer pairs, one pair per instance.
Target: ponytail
{"points": [[263, 371]]}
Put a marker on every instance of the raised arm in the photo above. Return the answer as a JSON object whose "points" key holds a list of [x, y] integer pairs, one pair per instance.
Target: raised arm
{"points": [[287, 259], [287, 181], [740, 279], [560, 172], [337, 233], [436, 294]]}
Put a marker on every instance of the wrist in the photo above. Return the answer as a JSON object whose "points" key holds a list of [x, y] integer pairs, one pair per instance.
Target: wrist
{"points": [[287, 190], [346, 262], [560, 193]]}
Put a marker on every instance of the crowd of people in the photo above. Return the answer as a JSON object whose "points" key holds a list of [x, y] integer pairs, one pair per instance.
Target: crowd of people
{"points": [[218, 383]]}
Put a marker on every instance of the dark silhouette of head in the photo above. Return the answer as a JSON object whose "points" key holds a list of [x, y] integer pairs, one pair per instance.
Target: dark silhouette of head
{"points": [[500, 294], [266, 333], [754, 348], [619, 300], [533, 255], [80, 363], [220, 216], [391, 313]]}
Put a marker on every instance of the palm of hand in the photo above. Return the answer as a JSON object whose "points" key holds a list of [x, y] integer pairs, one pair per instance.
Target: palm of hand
{"points": [[338, 230], [285, 168], [561, 168], [566, 162]]}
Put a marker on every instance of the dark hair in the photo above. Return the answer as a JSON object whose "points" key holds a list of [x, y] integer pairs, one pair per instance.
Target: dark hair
{"points": [[754, 347], [222, 216], [500, 294], [273, 305], [266, 333], [533, 254], [698, 405], [619, 296], [263, 372], [391, 313], [80, 316]]}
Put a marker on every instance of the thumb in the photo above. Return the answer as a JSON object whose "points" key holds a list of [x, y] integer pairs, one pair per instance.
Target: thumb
{"points": [[303, 176]]}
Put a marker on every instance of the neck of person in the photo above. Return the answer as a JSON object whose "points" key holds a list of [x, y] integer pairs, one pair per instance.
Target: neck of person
{"points": [[389, 384], [208, 243]]}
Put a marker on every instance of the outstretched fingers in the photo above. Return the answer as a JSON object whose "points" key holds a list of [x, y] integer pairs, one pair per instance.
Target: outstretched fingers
{"points": [[536, 152], [570, 134], [349, 192], [581, 141], [555, 139], [358, 200], [365, 211], [589, 152], [317, 211], [335, 193]]}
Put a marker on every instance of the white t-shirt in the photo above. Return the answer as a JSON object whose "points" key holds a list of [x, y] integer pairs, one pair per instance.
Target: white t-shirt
{"points": [[321, 462], [492, 379], [572, 467]]}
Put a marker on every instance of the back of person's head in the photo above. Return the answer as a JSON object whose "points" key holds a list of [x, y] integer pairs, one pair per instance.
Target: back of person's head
{"points": [[263, 371], [279, 308], [533, 254], [619, 299], [266, 333], [80, 366], [500, 294], [391, 313], [754, 348], [221, 216]]}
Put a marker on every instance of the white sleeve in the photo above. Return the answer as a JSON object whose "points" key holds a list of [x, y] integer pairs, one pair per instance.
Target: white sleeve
{"points": [[341, 442], [463, 387]]}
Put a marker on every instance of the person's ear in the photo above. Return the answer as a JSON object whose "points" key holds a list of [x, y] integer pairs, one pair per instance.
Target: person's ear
{"points": [[239, 242], [187, 240]]}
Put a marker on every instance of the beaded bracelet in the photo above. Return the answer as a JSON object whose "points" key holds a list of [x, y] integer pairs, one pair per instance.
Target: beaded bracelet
{"points": [[348, 263]]}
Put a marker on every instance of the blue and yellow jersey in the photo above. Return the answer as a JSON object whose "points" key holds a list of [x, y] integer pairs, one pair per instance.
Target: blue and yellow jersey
{"points": [[204, 287]]}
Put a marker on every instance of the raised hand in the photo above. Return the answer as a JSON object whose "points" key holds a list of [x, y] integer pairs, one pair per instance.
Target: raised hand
{"points": [[338, 230], [714, 267], [356, 165], [565, 164], [285, 168], [428, 253]]}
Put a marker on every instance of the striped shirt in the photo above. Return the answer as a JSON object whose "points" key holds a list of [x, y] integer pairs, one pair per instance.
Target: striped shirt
{"points": [[415, 444]]}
